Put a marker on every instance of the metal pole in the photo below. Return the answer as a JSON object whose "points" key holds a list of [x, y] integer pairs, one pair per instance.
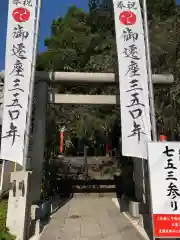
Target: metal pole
{"points": [[151, 100], [151, 91], [31, 90], [2, 176]]}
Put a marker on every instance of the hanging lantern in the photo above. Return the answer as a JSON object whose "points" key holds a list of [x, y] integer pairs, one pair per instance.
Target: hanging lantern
{"points": [[61, 145], [163, 138]]}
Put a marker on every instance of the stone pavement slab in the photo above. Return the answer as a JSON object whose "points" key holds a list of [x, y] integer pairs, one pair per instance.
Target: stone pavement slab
{"points": [[89, 218]]}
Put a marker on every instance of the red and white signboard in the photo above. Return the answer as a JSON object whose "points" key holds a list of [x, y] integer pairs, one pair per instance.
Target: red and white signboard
{"points": [[18, 69], [134, 93], [164, 167]]}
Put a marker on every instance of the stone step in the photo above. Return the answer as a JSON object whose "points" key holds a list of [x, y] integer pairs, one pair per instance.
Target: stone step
{"points": [[99, 195]]}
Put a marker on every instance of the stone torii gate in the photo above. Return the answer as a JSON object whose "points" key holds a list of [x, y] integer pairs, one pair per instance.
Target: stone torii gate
{"points": [[44, 78], [45, 95]]}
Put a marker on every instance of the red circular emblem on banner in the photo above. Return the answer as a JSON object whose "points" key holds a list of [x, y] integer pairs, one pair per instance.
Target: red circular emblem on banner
{"points": [[127, 18], [21, 15]]}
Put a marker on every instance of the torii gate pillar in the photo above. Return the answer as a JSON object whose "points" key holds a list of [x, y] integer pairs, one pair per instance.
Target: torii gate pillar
{"points": [[38, 140]]}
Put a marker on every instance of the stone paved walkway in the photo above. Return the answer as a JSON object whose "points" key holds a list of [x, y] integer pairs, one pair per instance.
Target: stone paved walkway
{"points": [[89, 218]]}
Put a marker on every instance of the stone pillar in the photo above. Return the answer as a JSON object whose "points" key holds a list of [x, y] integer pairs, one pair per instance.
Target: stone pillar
{"points": [[6, 168], [139, 179], [38, 140], [142, 188], [19, 205]]}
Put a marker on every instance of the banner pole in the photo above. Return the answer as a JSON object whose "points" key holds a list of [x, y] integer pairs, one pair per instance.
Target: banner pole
{"points": [[2, 176], [149, 72], [31, 88], [15, 166], [151, 97]]}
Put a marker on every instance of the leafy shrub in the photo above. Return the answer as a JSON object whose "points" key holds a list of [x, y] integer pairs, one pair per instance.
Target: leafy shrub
{"points": [[4, 233], [3, 212]]}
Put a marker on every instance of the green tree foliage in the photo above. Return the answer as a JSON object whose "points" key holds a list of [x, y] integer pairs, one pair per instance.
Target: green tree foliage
{"points": [[85, 41], [4, 232]]}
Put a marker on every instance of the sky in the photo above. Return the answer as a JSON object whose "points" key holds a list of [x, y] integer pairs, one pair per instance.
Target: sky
{"points": [[49, 12]]}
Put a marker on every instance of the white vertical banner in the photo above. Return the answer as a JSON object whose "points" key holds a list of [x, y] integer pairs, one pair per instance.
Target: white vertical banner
{"points": [[164, 168], [134, 93], [18, 68]]}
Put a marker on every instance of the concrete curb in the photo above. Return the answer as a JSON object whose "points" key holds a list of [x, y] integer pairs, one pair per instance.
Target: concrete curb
{"points": [[135, 222]]}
